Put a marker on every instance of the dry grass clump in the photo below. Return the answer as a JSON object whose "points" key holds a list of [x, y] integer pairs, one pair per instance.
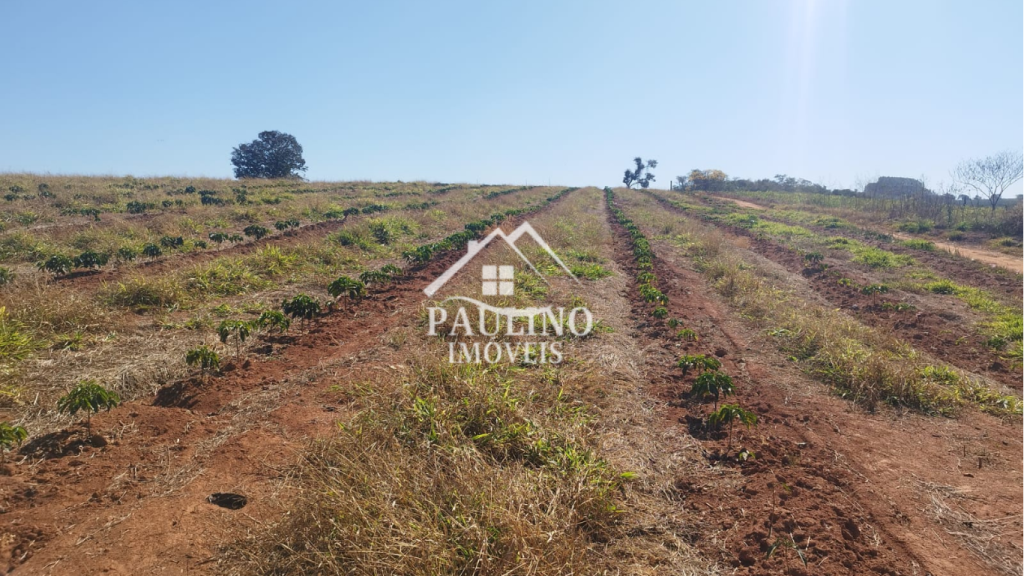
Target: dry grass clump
{"points": [[457, 469]]}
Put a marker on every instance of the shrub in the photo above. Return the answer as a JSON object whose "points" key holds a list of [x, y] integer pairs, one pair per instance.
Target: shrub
{"points": [[218, 237], [126, 254], [87, 396], [919, 244], [302, 307], [136, 207], [590, 271], [273, 319], [90, 259], [381, 231], [256, 231], [374, 277], [877, 258], [354, 289], [353, 238], [6, 275], [9, 436], [204, 357], [660, 312], [236, 238], [282, 225], [58, 265], [420, 255], [372, 208], [917, 227], [151, 250], [942, 287], [144, 292], [172, 241]]}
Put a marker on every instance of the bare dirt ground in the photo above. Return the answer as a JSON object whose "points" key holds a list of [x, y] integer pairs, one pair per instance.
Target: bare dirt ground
{"points": [[857, 493]]}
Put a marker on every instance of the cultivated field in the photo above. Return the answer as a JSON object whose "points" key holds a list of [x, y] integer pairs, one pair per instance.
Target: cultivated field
{"points": [[770, 386]]}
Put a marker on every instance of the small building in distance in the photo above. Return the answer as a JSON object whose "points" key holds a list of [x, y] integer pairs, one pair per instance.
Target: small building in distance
{"points": [[895, 187]]}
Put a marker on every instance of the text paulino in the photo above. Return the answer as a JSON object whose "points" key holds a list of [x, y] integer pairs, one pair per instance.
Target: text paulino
{"points": [[547, 323]]}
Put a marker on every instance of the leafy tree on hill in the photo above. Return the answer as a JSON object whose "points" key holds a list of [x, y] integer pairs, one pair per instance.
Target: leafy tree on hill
{"points": [[642, 176], [272, 155]]}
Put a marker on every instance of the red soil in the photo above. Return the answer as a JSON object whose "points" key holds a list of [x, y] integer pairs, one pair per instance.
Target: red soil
{"points": [[826, 476]]}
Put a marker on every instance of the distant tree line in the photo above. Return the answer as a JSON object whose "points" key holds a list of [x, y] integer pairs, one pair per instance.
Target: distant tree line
{"points": [[986, 178], [714, 180]]}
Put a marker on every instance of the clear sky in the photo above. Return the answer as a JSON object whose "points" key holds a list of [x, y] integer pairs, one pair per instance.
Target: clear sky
{"points": [[513, 92]]}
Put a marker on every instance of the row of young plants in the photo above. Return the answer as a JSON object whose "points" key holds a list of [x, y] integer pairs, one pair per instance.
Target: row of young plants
{"points": [[498, 193], [60, 264], [710, 381], [301, 307], [1002, 329], [306, 308], [860, 363], [643, 257], [425, 253]]}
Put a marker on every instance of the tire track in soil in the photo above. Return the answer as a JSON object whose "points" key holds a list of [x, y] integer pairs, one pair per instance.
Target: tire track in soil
{"points": [[825, 475], [136, 504], [937, 331]]}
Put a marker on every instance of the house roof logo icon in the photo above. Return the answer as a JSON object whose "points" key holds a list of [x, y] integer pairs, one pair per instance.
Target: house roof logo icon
{"points": [[475, 247]]}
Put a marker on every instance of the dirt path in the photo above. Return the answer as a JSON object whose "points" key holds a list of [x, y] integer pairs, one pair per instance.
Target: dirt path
{"points": [[828, 477], [1011, 263]]}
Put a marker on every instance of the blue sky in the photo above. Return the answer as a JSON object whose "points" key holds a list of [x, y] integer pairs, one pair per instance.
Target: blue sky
{"points": [[513, 92]]}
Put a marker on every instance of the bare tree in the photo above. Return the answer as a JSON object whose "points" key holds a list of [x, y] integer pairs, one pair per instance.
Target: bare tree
{"points": [[991, 176]]}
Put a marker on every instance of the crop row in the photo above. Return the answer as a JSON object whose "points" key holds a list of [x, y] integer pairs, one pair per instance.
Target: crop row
{"points": [[643, 256], [424, 253], [497, 193], [59, 263]]}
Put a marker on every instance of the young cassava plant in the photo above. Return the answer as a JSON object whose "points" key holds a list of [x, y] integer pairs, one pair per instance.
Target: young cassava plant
{"points": [[729, 414], [712, 383], [698, 362], [239, 329], [302, 307], [87, 396], [203, 357], [256, 231], [345, 286], [271, 319], [9, 436], [58, 265]]}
